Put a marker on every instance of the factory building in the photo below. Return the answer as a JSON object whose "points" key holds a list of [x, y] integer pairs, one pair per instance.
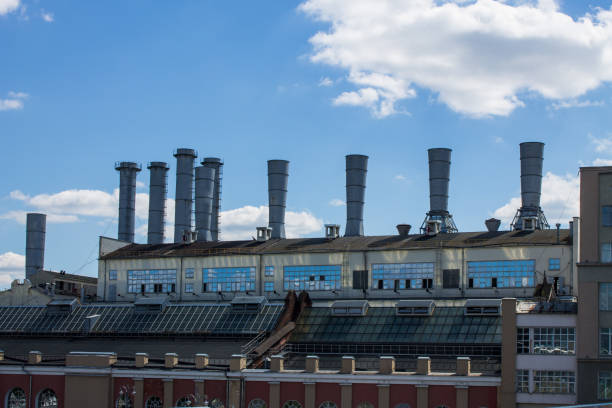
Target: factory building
{"points": [[437, 318]]}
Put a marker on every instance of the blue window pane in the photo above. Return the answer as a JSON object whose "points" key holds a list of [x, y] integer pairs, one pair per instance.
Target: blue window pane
{"points": [[508, 274], [269, 286], [189, 288], [312, 277], [269, 271], [152, 281], [554, 264], [237, 279], [112, 274], [605, 296], [606, 216], [408, 275], [189, 273]]}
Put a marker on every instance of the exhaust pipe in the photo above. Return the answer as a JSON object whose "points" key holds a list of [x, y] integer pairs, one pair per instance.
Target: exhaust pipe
{"points": [[36, 227], [356, 170], [216, 164], [184, 192], [157, 201], [127, 199], [278, 176], [439, 179], [204, 194], [530, 216]]}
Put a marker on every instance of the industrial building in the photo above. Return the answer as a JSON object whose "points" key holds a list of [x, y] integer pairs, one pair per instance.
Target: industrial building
{"points": [[434, 318]]}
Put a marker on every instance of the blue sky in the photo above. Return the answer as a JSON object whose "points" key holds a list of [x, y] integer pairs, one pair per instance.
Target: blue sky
{"points": [[85, 84]]}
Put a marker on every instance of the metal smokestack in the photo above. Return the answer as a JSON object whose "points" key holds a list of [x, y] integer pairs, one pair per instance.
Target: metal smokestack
{"points": [[356, 170], [183, 199], [530, 215], [216, 164], [204, 194], [278, 175], [36, 227], [439, 178], [157, 201], [127, 199]]}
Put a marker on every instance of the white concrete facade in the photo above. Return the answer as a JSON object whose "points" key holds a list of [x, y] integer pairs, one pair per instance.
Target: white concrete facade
{"points": [[442, 258]]}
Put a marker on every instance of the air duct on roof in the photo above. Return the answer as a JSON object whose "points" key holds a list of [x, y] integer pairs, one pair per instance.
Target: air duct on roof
{"points": [[204, 194], [127, 199], [356, 170], [439, 178], [184, 192], [492, 224], [530, 216], [217, 164], [278, 175], [157, 201], [36, 227], [403, 229]]}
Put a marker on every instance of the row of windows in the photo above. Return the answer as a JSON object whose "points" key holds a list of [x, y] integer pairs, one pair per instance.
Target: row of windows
{"points": [[125, 401], [151, 281], [547, 381], [17, 399], [481, 274], [501, 274], [546, 340]]}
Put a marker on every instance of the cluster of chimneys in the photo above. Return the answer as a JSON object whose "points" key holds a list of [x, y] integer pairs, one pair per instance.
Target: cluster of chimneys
{"points": [[208, 197]]}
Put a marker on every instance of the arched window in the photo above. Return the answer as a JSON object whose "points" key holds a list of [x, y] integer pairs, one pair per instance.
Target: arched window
{"points": [[257, 403], [365, 404], [216, 403], [124, 401], [292, 404], [16, 398], [328, 404], [47, 399], [184, 402], [154, 402]]}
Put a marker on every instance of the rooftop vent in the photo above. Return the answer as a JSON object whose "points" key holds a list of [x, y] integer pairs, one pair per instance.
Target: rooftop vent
{"points": [[492, 224], [403, 229], [150, 305], [332, 231], [482, 307], [61, 306], [90, 322], [264, 233], [189, 236], [248, 304], [432, 227], [350, 308], [415, 307]]}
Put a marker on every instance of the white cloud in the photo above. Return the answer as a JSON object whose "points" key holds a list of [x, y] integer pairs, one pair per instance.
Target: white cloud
{"points": [[336, 202], [602, 162], [326, 82], [499, 139], [240, 223], [12, 266], [574, 103], [602, 145], [47, 16], [560, 200], [8, 6], [399, 177], [15, 99], [479, 57]]}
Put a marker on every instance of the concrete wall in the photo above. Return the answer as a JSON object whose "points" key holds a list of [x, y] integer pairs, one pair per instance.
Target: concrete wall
{"points": [[22, 293], [447, 258]]}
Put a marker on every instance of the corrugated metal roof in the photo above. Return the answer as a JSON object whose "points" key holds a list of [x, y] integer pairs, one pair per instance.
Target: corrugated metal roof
{"points": [[120, 319], [344, 244]]}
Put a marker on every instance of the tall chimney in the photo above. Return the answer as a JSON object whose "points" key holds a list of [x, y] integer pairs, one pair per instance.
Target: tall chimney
{"points": [[183, 201], [217, 164], [439, 178], [356, 170], [204, 194], [278, 175], [157, 201], [36, 226], [127, 199], [530, 215]]}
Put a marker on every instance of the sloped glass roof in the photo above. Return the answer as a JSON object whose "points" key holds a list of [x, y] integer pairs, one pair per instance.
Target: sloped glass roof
{"points": [[121, 319], [447, 325]]}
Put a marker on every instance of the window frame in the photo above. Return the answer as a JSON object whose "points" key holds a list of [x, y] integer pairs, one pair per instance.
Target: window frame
{"points": [[112, 275]]}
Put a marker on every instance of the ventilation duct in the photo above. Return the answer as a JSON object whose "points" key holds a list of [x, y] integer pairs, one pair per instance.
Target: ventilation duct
{"points": [[530, 216], [127, 199], [278, 175], [356, 170], [492, 224], [157, 201], [403, 229], [204, 194], [439, 177], [217, 164], [184, 192], [36, 227]]}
